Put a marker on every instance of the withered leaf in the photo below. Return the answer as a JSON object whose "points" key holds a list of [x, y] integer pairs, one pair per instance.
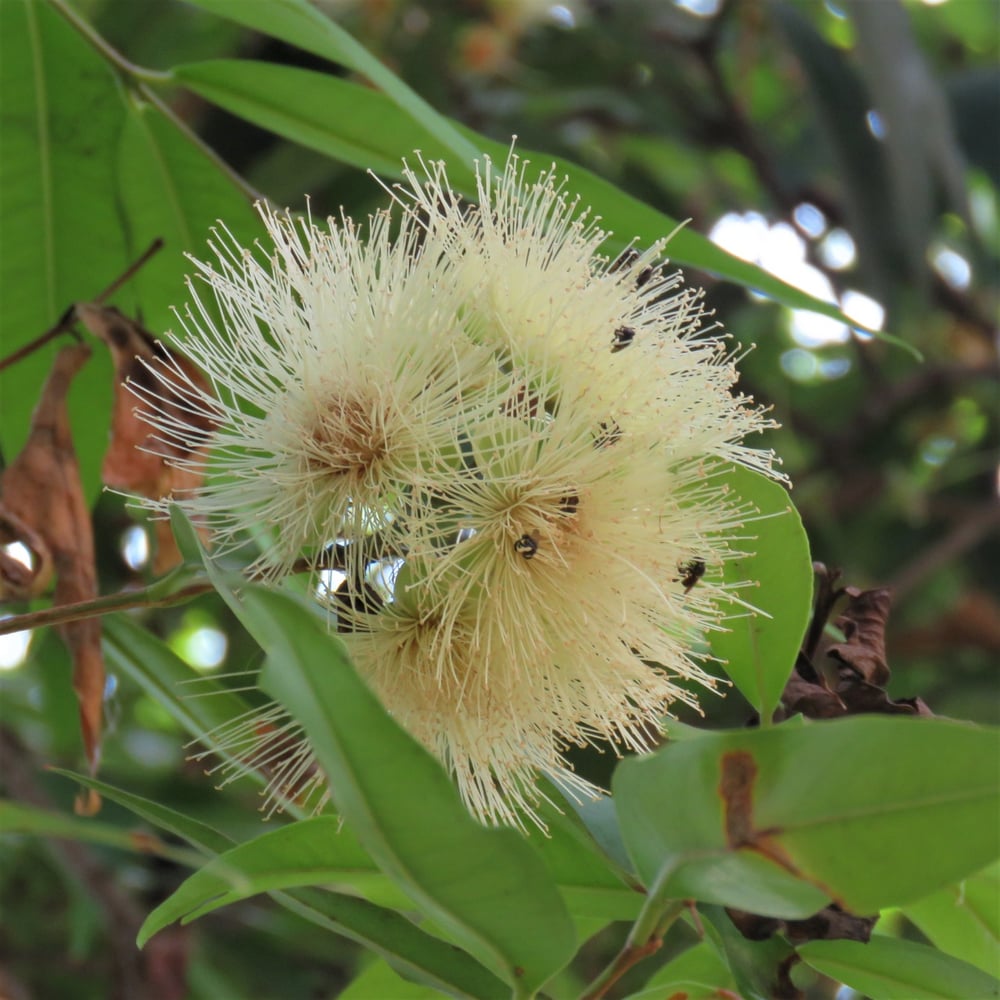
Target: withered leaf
{"points": [[813, 700], [863, 625], [137, 461], [854, 680], [830, 924], [20, 582], [42, 492]]}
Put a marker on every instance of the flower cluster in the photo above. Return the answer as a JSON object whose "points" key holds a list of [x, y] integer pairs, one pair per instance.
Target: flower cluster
{"points": [[514, 444]]}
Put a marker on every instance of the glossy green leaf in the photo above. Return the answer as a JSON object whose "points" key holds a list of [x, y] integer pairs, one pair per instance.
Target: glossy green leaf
{"points": [[312, 853], [891, 969], [759, 648], [301, 24], [592, 884], [336, 121], [487, 888], [382, 930], [682, 989], [414, 953], [868, 811], [964, 919]]}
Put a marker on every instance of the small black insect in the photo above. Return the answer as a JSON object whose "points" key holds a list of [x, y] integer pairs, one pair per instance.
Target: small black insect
{"points": [[621, 338], [693, 570], [625, 261], [526, 547], [568, 504], [610, 433]]}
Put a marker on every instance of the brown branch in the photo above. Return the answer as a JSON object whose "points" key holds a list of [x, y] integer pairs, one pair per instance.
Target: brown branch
{"points": [[125, 601], [128, 600], [628, 957], [68, 318]]}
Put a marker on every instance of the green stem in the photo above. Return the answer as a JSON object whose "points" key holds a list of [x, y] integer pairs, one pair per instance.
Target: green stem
{"points": [[110, 53], [149, 597], [645, 938]]}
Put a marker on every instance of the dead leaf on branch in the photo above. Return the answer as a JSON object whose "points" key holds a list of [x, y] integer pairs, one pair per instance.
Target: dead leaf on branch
{"points": [[863, 624], [41, 491], [832, 679], [18, 581], [137, 461]]}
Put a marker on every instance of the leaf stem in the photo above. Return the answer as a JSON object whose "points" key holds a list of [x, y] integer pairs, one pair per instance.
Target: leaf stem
{"points": [[645, 938], [110, 53], [147, 597]]}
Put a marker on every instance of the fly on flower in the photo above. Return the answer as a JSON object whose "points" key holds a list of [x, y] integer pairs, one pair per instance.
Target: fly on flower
{"points": [[535, 431]]}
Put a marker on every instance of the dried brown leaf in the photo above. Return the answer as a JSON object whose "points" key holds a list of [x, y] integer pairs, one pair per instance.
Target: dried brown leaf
{"points": [[42, 491], [863, 625], [20, 582], [136, 461]]}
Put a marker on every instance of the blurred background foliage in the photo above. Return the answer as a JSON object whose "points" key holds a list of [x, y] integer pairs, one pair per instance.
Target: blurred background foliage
{"points": [[852, 148]]}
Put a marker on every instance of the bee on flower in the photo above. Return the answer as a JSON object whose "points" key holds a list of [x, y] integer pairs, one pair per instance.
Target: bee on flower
{"points": [[540, 431]]}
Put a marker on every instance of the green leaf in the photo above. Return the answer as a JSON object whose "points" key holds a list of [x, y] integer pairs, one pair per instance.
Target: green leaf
{"points": [[172, 188], [382, 931], [336, 121], [317, 852], [186, 537], [867, 811], [205, 838], [592, 884], [754, 964], [310, 852], [61, 117], [758, 650], [487, 888], [688, 989], [302, 25], [91, 173], [890, 969], [17, 818], [700, 963], [964, 919], [378, 981]]}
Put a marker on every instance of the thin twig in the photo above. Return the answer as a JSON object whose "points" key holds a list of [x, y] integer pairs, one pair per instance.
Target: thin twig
{"points": [[109, 604], [155, 247], [68, 318], [150, 597]]}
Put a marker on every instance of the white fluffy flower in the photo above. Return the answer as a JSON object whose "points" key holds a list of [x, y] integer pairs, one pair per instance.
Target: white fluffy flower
{"points": [[537, 431]]}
